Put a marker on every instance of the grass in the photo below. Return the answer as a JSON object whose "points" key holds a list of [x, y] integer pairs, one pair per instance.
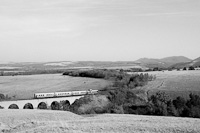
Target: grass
{"points": [[23, 87], [175, 83]]}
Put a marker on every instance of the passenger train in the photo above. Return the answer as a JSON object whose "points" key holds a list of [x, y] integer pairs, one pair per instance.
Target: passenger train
{"points": [[64, 94]]}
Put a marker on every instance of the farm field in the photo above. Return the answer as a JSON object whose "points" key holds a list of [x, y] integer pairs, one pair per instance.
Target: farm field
{"points": [[23, 87], [175, 83]]}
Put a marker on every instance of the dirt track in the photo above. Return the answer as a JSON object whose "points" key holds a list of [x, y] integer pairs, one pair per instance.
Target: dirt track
{"points": [[60, 121]]}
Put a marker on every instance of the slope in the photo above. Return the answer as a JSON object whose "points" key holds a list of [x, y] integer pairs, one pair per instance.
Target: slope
{"points": [[60, 121], [164, 62]]}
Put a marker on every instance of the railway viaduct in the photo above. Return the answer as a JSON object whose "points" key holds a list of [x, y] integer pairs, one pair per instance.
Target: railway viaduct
{"points": [[36, 102]]}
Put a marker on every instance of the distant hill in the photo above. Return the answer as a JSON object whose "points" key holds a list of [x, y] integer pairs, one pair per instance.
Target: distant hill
{"points": [[176, 59], [197, 59], [164, 62], [61, 66], [194, 63]]}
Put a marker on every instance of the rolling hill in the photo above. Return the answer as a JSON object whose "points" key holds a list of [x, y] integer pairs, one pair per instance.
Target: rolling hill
{"points": [[194, 63], [60, 66], [27, 68], [163, 62], [175, 59]]}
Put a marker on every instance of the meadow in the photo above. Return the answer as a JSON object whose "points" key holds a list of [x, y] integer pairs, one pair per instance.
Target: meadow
{"points": [[24, 86], [175, 83]]}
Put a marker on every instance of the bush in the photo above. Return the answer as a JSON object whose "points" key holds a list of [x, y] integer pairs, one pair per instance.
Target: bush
{"points": [[42, 105], [90, 104], [116, 109], [178, 107], [2, 97], [65, 105], [13, 106], [195, 112], [55, 105], [191, 68], [161, 104], [28, 106], [193, 101], [179, 102]]}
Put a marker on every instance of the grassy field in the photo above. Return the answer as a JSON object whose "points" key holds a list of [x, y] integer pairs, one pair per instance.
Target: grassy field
{"points": [[23, 87], [175, 83], [48, 121]]}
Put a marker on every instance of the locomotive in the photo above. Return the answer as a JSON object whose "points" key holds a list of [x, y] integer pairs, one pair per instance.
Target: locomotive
{"points": [[64, 94]]}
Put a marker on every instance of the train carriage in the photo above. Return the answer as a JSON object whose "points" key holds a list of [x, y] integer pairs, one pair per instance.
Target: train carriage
{"points": [[62, 94], [77, 93], [43, 95]]}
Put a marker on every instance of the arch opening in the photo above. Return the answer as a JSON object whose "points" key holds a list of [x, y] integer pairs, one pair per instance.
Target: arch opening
{"points": [[42, 105], [13, 106], [28, 106], [55, 105], [65, 105]]}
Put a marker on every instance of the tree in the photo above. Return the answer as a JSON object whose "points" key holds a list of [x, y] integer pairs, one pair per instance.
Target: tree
{"points": [[191, 68], [65, 105], [179, 102], [184, 68], [55, 105], [2, 73], [2, 97], [42, 105]]}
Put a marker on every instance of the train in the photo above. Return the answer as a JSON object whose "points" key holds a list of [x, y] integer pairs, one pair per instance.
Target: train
{"points": [[64, 94]]}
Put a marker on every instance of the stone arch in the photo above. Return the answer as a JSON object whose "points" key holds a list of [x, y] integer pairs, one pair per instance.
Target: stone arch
{"points": [[55, 105], [65, 104], [42, 105], [28, 106], [13, 106]]}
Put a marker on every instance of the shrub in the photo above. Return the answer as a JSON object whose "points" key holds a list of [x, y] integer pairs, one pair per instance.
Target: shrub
{"points": [[13, 106], [191, 68], [2, 97], [42, 105], [65, 105], [172, 111], [116, 109], [195, 112], [90, 104], [55, 105], [28, 106], [179, 102], [177, 107], [161, 104]]}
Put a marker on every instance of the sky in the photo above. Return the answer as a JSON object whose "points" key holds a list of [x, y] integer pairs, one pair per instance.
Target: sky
{"points": [[98, 30]]}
